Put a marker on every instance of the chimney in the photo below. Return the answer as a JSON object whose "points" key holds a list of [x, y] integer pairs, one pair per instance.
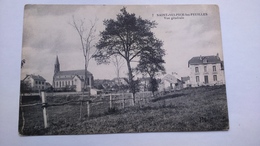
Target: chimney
{"points": [[217, 56]]}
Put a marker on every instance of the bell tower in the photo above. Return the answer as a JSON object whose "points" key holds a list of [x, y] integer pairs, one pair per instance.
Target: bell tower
{"points": [[56, 65]]}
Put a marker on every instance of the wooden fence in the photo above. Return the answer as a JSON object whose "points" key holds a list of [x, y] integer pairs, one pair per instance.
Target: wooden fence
{"points": [[93, 106]]}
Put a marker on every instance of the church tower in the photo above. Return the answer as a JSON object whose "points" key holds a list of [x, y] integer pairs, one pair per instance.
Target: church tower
{"points": [[56, 66]]}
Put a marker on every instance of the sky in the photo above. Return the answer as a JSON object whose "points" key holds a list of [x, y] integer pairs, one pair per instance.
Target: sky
{"points": [[186, 31]]}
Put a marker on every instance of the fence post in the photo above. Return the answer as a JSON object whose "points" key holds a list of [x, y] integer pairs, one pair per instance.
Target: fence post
{"points": [[132, 96], [88, 107], [123, 103], [110, 101], [44, 110]]}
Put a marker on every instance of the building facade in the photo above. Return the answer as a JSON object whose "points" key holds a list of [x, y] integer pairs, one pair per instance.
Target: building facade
{"points": [[206, 70], [35, 82], [71, 80], [170, 82]]}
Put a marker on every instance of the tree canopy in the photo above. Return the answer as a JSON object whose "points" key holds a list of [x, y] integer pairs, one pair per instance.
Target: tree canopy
{"points": [[126, 36], [130, 37]]}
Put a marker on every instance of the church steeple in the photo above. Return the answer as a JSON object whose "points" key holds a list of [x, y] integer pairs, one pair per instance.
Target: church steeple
{"points": [[57, 65]]}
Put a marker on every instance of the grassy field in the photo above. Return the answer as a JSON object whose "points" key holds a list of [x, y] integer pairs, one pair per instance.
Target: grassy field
{"points": [[193, 109]]}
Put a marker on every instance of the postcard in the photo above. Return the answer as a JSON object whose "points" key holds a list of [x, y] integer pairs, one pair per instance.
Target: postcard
{"points": [[102, 69]]}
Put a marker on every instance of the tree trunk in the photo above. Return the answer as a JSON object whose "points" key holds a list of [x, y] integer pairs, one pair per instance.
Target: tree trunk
{"points": [[130, 76]]}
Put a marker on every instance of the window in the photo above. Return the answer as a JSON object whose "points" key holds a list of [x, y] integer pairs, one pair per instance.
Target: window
{"points": [[205, 68], [57, 84], [62, 83], [72, 82], [215, 77], [196, 69], [197, 79], [206, 79], [214, 68], [36, 82]]}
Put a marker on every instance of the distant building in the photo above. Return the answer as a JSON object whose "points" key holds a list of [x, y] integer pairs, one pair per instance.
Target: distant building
{"points": [[170, 82], [70, 79], [186, 81], [206, 70], [35, 82], [120, 81]]}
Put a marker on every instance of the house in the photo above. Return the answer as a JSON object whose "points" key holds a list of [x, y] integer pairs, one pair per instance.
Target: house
{"points": [[70, 79], [186, 81], [120, 81], [170, 82], [206, 70], [35, 82]]}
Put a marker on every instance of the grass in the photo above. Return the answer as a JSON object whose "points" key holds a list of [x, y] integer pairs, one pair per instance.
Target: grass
{"points": [[192, 109]]}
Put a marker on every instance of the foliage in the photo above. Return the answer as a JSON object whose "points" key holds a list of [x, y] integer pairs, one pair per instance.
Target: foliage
{"points": [[151, 60], [153, 86], [151, 63], [25, 87], [22, 63]]}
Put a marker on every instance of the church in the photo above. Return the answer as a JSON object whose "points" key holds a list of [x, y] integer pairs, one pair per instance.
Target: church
{"points": [[70, 80]]}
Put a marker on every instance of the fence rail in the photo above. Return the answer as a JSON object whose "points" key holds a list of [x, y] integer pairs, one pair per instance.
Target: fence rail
{"points": [[94, 105]]}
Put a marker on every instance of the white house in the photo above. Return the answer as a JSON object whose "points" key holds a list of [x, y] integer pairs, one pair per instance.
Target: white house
{"points": [[170, 82], [206, 70], [35, 82]]}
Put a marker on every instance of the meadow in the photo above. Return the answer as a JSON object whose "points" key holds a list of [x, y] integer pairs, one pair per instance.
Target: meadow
{"points": [[190, 109]]}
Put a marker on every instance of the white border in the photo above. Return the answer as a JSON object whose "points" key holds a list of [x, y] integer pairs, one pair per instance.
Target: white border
{"points": [[240, 26]]}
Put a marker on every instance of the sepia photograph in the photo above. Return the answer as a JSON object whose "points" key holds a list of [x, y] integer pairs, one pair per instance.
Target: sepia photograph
{"points": [[103, 69]]}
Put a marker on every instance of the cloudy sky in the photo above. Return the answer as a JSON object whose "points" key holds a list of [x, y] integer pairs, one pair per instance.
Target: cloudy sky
{"points": [[48, 33]]}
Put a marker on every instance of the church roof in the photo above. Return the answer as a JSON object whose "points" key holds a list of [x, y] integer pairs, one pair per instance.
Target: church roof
{"points": [[57, 60], [72, 72], [204, 60]]}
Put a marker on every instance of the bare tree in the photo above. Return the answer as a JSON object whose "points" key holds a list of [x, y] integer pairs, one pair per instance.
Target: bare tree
{"points": [[87, 36], [118, 62]]}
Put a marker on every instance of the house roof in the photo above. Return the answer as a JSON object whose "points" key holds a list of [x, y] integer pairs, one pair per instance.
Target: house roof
{"points": [[184, 79], [204, 60], [77, 76], [35, 77], [72, 72], [170, 78], [69, 77]]}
